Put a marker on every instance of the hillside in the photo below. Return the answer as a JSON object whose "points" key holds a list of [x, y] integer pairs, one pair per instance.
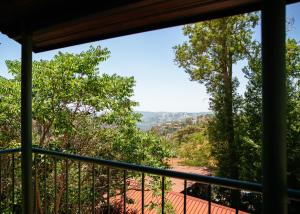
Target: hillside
{"points": [[150, 119]]}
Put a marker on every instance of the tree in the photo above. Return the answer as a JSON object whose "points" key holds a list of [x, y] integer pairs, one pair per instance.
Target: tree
{"points": [[251, 116], [208, 55], [252, 113], [192, 145], [78, 110]]}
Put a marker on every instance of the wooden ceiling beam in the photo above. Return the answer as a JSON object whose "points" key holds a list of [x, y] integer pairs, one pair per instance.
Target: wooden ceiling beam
{"points": [[72, 24]]}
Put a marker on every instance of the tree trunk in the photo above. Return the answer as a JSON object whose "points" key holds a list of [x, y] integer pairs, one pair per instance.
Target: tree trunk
{"points": [[233, 160], [232, 147], [231, 170]]}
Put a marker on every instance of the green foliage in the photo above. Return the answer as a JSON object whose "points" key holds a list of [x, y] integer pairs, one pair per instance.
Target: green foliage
{"points": [[252, 112], [235, 131], [187, 140], [211, 49], [156, 204], [193, 146], [9, 111], [78, 109]]}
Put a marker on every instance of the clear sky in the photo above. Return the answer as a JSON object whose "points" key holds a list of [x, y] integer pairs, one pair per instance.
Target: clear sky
{"points": [[149, 57]]}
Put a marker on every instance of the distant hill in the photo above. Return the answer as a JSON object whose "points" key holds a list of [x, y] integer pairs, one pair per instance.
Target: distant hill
{"points": [[150, 119]]}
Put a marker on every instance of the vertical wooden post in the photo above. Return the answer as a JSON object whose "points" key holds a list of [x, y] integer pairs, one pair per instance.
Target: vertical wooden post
{"points": [[274, 107], [26, 122]]}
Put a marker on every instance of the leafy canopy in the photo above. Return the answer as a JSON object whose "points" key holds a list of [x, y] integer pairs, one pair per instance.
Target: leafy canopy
{"points": [[77, 108]]}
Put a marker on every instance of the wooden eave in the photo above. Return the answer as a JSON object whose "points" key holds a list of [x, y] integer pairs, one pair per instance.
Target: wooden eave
{"points": [[58, 23]]}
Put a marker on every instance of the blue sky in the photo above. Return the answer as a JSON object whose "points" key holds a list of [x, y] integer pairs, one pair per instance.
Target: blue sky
{"points": [[149, 57]]}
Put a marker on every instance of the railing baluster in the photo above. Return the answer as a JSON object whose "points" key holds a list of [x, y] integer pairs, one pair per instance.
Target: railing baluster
{"points": [[13, 182], [55, 184], [108, 190], [163, 195], [94, 189], [216, 181], [0, 184], [124, 194], [237, 202], [79, 187], [143, 192], [232, 184], [67, 187], [209, 199], [35, 183], [45, 186], [184, 199]]}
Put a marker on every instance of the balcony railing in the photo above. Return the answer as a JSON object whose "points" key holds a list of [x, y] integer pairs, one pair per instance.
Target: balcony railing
{"points": [[46, 185]]}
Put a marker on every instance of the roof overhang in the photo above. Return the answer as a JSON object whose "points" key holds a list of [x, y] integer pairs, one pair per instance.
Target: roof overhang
{"points": [[57, 23]]}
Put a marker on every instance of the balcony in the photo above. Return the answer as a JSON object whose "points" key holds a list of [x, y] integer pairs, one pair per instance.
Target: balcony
{"points": [[34, 176], [61, 180]]}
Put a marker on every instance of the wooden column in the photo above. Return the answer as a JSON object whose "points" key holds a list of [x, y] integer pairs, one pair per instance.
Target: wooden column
{"points": [[274, 107], [26, 123]]}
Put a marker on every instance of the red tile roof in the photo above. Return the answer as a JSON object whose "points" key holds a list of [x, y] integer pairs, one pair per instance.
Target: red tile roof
{"points": [[194, 205], [176, 165]]}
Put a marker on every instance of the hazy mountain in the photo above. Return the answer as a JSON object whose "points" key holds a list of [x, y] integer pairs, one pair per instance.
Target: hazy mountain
{"points": [[150, 119]]}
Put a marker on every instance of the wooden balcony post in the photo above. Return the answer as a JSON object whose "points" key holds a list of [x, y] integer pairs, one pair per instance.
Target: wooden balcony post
{"points": [[274, 107], [26, 123]]}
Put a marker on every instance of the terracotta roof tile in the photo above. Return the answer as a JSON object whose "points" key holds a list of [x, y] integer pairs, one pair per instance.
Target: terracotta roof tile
{"points": [[194, 205]]}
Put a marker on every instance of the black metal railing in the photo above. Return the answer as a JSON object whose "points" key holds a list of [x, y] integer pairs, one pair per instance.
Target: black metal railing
{"points": [[10, 162], [46, 184]]}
